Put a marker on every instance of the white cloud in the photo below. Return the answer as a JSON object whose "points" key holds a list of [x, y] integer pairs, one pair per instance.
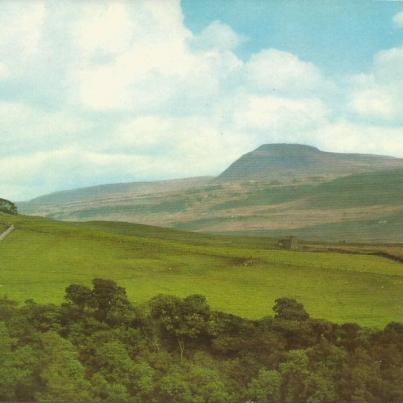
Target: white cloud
{"points": [[279, 114], [24, 128], [379, 94], [105, 27], [375, 101], [194, 143], [275, 70], [398, 19], [346, 136], [141, 45], [4, 71], [219, 36], [21, 26]]}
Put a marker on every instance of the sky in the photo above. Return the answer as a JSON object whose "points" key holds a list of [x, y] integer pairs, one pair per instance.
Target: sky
{"points": [[95, 92]]}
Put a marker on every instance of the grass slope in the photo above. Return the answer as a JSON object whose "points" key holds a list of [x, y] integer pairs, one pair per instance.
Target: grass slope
{"points": [[239, 275]]}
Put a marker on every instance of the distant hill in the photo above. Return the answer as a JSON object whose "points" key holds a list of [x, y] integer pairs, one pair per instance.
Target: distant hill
{"points": [[313, 197], [280, 161], [118, 190]]}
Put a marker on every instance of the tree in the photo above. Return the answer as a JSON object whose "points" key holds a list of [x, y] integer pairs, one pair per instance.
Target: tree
{"points": [[295, 374], [112, 362], [289, 309], [105, 391], [265, 387], [16, 368], [7, 207], [206, 385], [174, 388], [62, 373], [79, 295], [110, 302], [361, 378], [182, 320]]}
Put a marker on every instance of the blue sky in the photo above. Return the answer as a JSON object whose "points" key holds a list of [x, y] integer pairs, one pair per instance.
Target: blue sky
{"points": [[338, 36], [104, 91]]}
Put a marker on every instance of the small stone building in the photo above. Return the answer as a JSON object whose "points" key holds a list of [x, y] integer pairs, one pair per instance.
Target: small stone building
{"points": [[290, 243]]}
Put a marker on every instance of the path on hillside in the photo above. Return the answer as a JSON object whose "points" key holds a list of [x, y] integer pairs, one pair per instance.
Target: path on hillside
{"points": [[7, 232]]}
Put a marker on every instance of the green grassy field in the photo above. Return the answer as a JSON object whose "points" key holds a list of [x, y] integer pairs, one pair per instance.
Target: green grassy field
{"points": [[238, 275]]}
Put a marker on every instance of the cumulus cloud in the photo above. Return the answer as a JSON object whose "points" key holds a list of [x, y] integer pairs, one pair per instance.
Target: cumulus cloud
{"points": [[398, 19], [276, 70], [4, 71], [125, 48], [272, 114], [219, 36], [347, 136], [379, 94], [21, 27], [27, 129]]}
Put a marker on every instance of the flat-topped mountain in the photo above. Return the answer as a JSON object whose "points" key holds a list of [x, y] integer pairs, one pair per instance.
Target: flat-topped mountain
{"points": [[277, 161], [278, 189]]}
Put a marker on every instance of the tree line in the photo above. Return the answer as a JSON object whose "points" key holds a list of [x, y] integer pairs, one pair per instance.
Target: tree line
{"points": [[7, 207], [99, 346]]}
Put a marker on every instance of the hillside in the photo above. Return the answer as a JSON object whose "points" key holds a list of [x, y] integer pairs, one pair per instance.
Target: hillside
{"points": [[295, 161], [41, 257], [362, 207], [118, 190], [312, 196]]}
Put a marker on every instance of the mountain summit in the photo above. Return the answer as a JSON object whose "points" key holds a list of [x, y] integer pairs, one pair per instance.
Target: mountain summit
{"points": [[298, 161]]}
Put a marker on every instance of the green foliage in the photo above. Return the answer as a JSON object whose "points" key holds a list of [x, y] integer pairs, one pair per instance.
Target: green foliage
{"points": [[16, 366], [74, 352], [265, 387], [182, 320], [289, 309], [7, 207], [62, 373]]}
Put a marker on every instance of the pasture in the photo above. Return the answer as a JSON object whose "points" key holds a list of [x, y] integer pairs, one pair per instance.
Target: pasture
{"points": [[240, 275]]}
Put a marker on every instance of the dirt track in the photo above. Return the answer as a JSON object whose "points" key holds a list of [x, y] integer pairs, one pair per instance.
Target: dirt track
{"points": [[7, 232]]}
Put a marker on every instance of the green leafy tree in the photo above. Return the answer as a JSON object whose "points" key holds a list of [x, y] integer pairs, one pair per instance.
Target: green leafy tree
{"points": [[110, 302], [289, 309], [173, 387], [106, 391], [266, 387], [7, 207], [182, 320], [206, 385], [62, 373], [113, 362], [361, 377], [295, 375], [79, 295], [17, 367], [320, 388]]}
